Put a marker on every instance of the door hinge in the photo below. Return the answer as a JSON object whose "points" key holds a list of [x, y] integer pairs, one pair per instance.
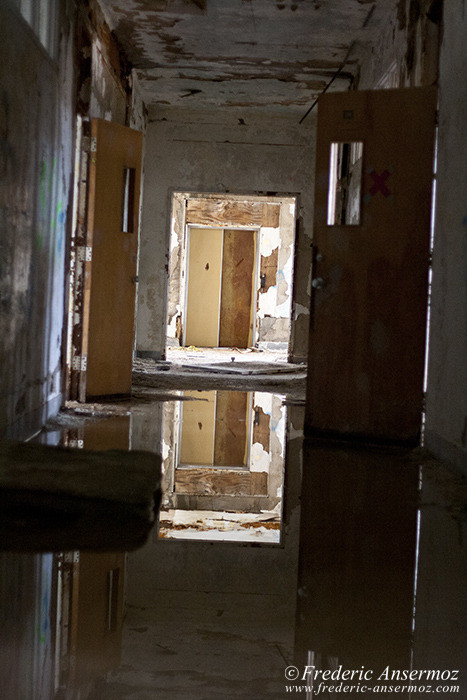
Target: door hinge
{"points": [[84, 253], [71, 557], [89, 144], [80, 363]]}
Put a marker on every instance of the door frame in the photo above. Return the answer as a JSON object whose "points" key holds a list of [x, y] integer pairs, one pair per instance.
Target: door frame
{"points": [[178, 221]]}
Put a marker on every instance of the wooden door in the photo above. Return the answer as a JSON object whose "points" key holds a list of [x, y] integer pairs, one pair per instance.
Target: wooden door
{"points": [[238, 264], [215, 430], [203, 287], [96, 617], [111, 254], [220, 287], [370, 269]]}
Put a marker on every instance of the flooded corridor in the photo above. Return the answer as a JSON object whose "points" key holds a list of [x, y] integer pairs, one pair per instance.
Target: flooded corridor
{"points": [[266, 548]]}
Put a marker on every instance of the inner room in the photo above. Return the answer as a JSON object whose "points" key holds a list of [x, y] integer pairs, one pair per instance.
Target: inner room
{"points": [[230, 272]]}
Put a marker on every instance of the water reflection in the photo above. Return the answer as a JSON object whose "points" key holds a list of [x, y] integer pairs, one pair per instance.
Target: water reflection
{"points": [[223, 476], [223, 466], [155, 619]]}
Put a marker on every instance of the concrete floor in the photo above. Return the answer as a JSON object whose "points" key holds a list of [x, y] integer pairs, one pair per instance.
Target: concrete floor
{"points": [[198, 645]]}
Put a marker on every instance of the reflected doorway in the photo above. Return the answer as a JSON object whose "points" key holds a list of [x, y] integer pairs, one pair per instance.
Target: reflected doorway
{"points": [[223, 471]]}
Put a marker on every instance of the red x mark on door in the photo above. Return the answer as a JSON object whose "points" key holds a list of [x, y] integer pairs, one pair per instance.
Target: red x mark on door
{"points": [[379, 183]]}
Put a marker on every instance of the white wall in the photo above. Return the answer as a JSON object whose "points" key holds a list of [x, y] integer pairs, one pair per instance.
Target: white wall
{"points": [[446, 433]]}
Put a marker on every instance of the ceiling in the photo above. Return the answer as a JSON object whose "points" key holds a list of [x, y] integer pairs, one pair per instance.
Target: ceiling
{"points": [[274, 54]]}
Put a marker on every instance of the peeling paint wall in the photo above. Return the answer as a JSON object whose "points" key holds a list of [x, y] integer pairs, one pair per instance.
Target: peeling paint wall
{"points": [[406, 52], [275, 303], [36, 132], [219, 151], [39, 97]]}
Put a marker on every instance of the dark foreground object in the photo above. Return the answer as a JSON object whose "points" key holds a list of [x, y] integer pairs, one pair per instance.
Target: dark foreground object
{"points": [[56, 499]]}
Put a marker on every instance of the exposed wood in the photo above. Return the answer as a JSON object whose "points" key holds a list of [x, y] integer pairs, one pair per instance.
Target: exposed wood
{"points": [[237, 288], [224, 212], [259, 484], [356, 555], [204, 288], [230, 446], [222, 482], [197, 426], [261, 428], [110, 286], [220, 212], [56, 499], [271, 213], [268, 270], [367, 327]]}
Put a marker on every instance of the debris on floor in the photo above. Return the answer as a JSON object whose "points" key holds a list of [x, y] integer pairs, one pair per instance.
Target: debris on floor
{"points": [[220, 526]]}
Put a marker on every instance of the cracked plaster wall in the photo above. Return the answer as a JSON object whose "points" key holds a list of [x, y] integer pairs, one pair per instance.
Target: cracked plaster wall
{"points": [[220, 151]]}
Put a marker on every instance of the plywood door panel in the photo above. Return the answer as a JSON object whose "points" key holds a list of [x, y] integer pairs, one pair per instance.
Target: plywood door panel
{"points": [[203, 289], [367, 325], [110, 288], [224, 212], [237, 288], [198, 425], [230, 444], [220, 482]]}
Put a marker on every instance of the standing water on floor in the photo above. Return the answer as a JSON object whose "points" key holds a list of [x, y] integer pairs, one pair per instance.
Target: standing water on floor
{"points": [[222, 457], [114, 614]]}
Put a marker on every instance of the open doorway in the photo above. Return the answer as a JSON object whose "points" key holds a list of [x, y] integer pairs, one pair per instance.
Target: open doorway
{"points": [[231, 272]]}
